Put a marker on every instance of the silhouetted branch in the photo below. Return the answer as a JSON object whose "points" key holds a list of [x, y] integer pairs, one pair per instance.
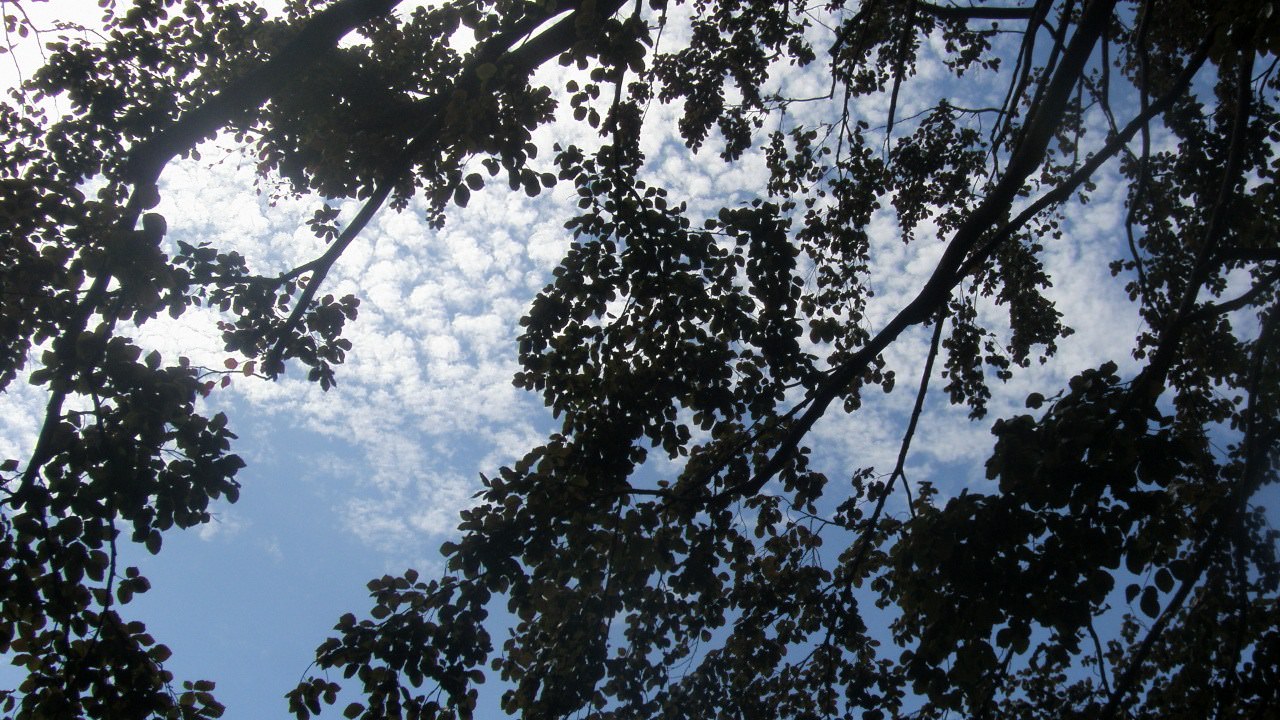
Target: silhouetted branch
{"points": [[1255, 447], [1151, 381], [521, 61], [1244, 300], [899, 469], [977, 12], [1028, 156]]}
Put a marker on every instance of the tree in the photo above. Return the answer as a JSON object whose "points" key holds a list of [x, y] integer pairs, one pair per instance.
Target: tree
{"points": [[717, 342]]}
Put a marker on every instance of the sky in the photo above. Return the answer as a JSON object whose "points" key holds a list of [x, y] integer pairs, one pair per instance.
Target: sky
{"points": [[368, 478]]}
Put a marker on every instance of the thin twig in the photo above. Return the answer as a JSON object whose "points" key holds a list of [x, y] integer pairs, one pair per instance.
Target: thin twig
{"points": [[899, 469]]}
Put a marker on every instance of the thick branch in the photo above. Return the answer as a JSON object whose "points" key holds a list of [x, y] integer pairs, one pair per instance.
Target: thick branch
{"points": [[1148, 384], [320, 35], [513, 63], [1247, 298], [1029, 155], [1251, 254], [1063, 190]]}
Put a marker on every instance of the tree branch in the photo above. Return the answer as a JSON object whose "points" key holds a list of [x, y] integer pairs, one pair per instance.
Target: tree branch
{"points": [[149, 158], [978, 12], [1028, 156], [1252, 294], [1255, 448], [1250, 254], [1144, 171], [1117, 143], [519, 62], [899, 469], [1098, 655], [320, 35], [1147, 385], [1021, 75], [1150, 382]]}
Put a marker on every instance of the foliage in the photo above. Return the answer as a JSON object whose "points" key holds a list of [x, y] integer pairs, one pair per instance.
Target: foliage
{"points": [[716, 341]]}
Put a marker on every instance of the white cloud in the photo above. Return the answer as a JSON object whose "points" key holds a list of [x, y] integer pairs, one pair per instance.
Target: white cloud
{"points": [[24, 406], [224, 524]]}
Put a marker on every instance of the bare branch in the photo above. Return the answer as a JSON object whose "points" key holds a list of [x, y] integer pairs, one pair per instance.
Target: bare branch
{"points": [[899, 469], [1098, 655]]}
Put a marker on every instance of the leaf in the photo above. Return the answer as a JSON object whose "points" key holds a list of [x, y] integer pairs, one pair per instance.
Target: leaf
{"points": [[153, 542], [154, 226], [148, 196], [1150, 603]]}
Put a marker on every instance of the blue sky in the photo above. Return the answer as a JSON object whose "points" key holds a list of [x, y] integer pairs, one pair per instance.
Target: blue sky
{"points": [[368, 478]]}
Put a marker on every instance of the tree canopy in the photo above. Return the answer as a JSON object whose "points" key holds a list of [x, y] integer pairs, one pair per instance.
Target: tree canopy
{"points": [[1115, 563]]}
